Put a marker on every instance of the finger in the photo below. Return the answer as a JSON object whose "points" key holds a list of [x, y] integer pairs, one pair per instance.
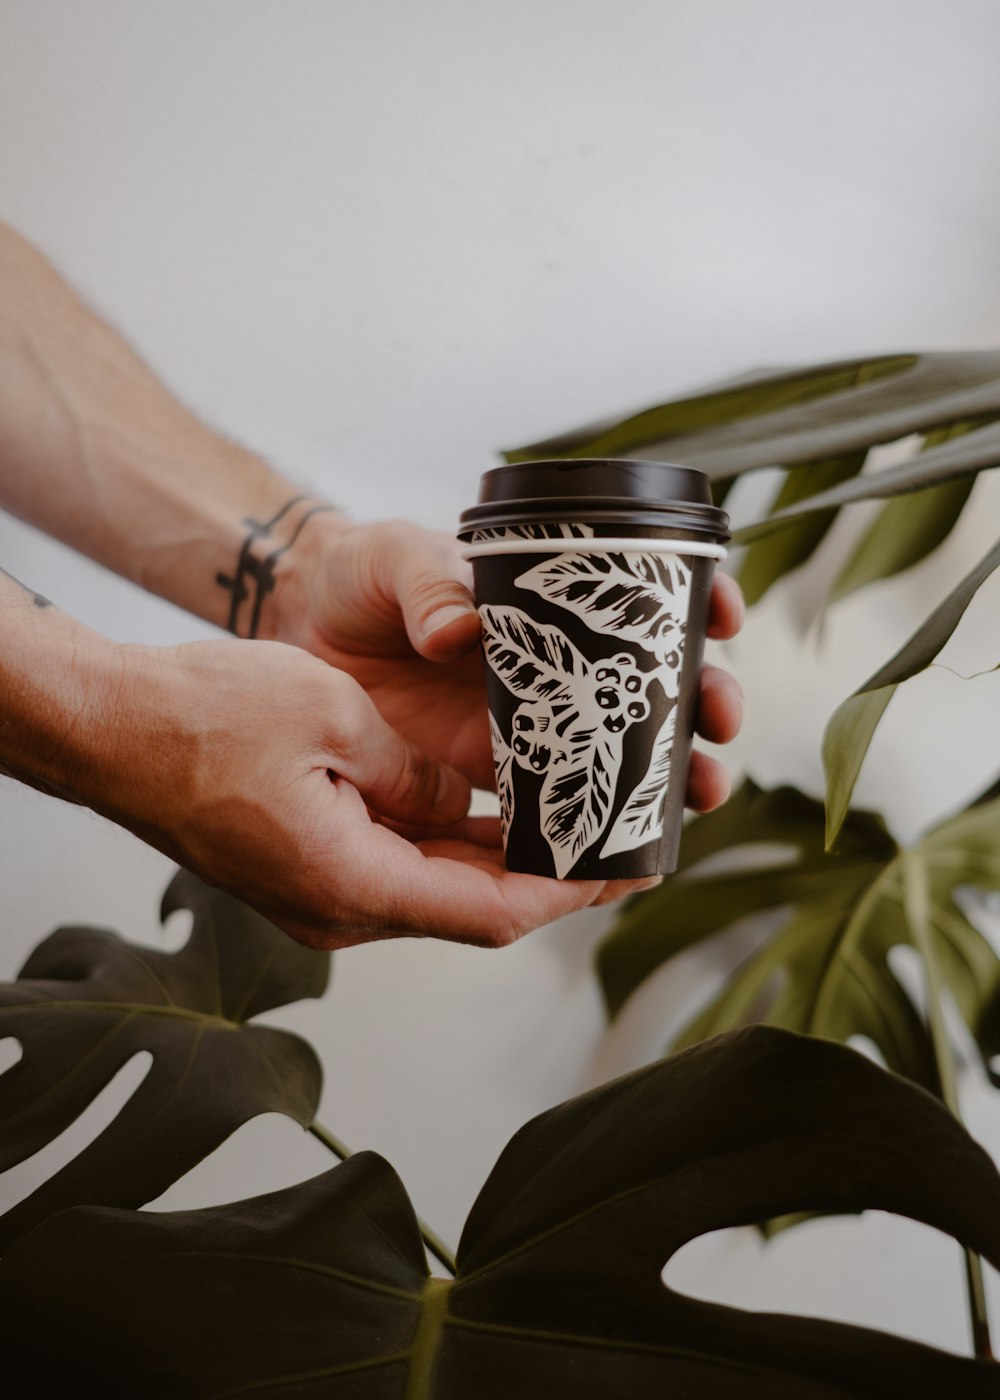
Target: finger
{"points": [[433, 586], [726, 609], [393, 775], [444, 887], [708, 783], [720, 705], [621, 889]]}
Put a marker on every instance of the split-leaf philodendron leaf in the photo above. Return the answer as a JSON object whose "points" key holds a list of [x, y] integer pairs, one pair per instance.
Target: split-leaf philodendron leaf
{"points": [[87, 1001], [791, 417], [818, 424], [852, 725], [825, 972], [765, 563], [322, 1290], [906, 529]]}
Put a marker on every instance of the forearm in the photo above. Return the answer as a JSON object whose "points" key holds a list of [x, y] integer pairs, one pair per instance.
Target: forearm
{"points": [[57, 686], [95, 451]]}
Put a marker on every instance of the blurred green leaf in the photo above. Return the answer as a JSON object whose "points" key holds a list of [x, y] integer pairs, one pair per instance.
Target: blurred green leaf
{"points": [[805, 419], [86, 1001], [765, 394], [789, 417], [559, 1290], [908, 528], [905, 531], [974, 452], [850, 728], [765, 562], [825, 972]]}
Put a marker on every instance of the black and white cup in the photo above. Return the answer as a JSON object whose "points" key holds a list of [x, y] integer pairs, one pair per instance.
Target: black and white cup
{"points": [[592, 580]]}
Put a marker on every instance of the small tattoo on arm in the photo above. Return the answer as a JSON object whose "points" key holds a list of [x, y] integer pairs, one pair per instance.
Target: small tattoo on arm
{"points": [[39, 599], [256, 573]]}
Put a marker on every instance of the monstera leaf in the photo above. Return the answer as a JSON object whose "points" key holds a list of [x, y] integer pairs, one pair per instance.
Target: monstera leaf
{"points": [[818, 424], [907, 528], [322, 1290], [826, 416], [825, 972], [765, 563], [852, 725], [87, 1001]]}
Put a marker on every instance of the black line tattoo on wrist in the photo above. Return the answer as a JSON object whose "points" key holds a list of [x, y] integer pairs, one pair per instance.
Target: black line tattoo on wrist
{"points": [[39, 599], [260, 571]]}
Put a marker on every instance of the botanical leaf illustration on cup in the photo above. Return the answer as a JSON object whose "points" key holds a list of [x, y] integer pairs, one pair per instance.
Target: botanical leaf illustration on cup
{"points": [[642, 598], [568, 728]]}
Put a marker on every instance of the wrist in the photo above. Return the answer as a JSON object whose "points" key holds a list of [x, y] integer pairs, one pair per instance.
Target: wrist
{"points": [[289, 610]]}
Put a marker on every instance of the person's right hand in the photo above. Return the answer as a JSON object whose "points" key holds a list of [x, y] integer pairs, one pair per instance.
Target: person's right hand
{"points": [[273, 775]]}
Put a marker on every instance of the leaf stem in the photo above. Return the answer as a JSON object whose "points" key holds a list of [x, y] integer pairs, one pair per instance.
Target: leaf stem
{"points": [[431, 1240], [916, 906], [333, 1144]]}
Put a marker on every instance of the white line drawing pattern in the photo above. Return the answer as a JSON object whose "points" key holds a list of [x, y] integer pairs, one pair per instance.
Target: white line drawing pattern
{"points": [[546, 531], [573, 715], [502, 758], [642, 598], [641, 819], [568, 727]]}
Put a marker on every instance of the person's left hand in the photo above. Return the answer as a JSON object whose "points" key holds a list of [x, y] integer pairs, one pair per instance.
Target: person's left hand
{"points": [[391, 604]]}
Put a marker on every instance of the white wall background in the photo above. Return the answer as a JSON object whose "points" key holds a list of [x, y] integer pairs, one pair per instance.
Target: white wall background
{"points": [[378, 240]]}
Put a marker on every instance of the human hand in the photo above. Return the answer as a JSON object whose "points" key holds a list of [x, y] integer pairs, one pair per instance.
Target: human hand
{"points": [[275, 777], [391, 604]]}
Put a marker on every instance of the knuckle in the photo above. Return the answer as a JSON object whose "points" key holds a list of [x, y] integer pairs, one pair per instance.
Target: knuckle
{"points": [[418, 778], [350, 712], [429, 590]]}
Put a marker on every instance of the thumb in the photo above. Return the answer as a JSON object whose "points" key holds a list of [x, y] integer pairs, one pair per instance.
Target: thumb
{"points": [[433, 586], [395, 777]]}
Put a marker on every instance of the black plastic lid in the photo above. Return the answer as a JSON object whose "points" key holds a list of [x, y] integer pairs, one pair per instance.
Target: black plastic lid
{"points": [[602, 491]]}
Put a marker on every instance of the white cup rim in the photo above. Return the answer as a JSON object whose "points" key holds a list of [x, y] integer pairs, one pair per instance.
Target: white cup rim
{"points": [[597, 544]]}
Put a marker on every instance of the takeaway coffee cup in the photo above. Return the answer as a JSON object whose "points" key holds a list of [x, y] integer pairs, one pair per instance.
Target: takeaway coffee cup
{"points": [[592, 580]]}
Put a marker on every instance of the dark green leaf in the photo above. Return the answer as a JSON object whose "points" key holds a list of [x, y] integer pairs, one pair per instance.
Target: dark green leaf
{"points": [[907, 529], [914, 394], [825, 972], [770, 559], [850, 728], [810, 414], [689, 907], [976, 451], [87, 1001], [759, 394], [321, 1290], [814, 417]]}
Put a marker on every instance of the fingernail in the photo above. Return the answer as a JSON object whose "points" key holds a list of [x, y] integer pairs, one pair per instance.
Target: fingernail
{"points": [[453, 794], [444, 616]]}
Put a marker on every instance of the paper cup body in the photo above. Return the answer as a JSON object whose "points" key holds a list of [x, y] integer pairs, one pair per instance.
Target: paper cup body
{"points": [[593, 637]]}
